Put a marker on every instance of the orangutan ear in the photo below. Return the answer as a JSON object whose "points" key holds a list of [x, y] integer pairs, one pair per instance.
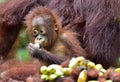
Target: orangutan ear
{"points": [[56, 27]]}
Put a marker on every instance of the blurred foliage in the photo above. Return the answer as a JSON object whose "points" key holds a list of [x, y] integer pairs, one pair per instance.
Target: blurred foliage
{"points": [[23, 39], [2, 1], [22, 53]]}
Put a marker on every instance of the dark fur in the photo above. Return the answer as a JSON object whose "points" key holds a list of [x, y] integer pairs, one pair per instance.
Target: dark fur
{"points": [[100, 33], [12, 15], [101, 37], [98, 29], [49, 57]]}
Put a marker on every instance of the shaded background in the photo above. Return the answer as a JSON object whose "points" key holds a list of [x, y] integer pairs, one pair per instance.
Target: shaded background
{"points": [[19, 50]]}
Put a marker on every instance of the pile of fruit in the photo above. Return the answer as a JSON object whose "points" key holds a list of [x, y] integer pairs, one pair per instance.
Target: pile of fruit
{"points": [[88, 71]]}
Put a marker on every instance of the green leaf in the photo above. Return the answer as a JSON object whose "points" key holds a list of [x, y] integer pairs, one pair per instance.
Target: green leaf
{"points": [[23, 55]]}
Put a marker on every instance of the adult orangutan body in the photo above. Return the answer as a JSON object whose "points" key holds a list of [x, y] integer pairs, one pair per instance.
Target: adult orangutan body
{"points": [[95, 20]]}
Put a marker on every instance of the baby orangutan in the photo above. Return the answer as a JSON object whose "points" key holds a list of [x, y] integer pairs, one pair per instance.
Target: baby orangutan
{"points": [[50, 43]]}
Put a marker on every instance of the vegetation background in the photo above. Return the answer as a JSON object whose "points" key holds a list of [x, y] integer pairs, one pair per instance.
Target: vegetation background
{"points": [[19, 50]]}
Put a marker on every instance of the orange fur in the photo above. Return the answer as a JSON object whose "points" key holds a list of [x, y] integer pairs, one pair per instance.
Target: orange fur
{"points": [[40, 11], [18, 70], [64, 46], [67, 38]]}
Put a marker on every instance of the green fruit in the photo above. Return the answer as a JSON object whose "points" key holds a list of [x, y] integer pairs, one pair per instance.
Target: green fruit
{"points": [[55, 69], [45, 77], [59, 73], [80, 59], [117, 70], [90, 65], [98, 67], [101, 74], [73, 63], [103, 70], [67, 71], [51, 70], [53, 77], [44, 70]]}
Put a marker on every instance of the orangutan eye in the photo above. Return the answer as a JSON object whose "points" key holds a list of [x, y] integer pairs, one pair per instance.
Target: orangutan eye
{"points": [[42, 31], [35, 32]]}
